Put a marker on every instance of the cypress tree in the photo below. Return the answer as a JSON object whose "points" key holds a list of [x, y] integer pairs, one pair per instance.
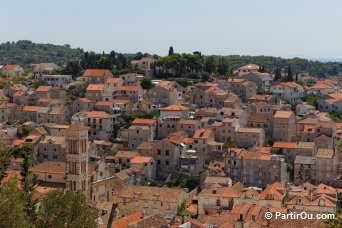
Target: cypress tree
{"points": [[171, 50], [289, 74]]}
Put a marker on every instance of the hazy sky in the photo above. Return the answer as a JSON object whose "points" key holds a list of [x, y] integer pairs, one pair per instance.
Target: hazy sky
{"points": [[304, 28]]}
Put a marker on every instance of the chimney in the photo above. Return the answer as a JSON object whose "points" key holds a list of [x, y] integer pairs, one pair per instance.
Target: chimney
{"points": [[143, 213]]}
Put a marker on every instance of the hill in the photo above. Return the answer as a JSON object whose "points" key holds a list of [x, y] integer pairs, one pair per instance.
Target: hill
{"points": [[270, 63], [25, 52]]}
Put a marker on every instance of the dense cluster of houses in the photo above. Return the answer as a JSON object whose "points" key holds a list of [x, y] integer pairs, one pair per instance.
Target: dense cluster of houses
{"points": [[254, 143]]}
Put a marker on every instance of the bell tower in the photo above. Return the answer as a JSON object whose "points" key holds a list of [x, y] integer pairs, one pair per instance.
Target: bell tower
{"points": [[77, 157]]}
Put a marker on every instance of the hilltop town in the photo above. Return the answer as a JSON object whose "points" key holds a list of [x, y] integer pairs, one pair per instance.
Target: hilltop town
{"points": [[147, 147]]}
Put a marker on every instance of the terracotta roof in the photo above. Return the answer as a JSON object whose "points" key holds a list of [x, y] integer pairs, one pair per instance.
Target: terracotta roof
{"points": [[59, 140], [167, 84], [250, 66], [260, 118], [19, 94], [124, 154], [127, 220], [49, 167], [202, 134], [261, 104], [9, 67], [155, 220], [289, 84], [140, 160], [114, 80], [85, 100], [236, 80], [130, 88], [325, 153], [175, 107], [139, 121], [31, 108], [44, 89], [97, 73], [218, 190], [277, 189], [249, 130], [321, 85], [283, 114], [95, 87], [99, 114], [12, 174], [336, 95], [172, 195], [187, 122], [305, 160], [17, 142], [285, 145], [188, 140]]}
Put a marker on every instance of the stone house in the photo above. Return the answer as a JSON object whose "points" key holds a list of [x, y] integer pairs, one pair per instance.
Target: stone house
{"points": [[133, 92], [130, 78], [201, 139], [249, 68], [243, 88], [165, 93], [11, 71], [94, 92], [262, 80], [132, 198], [146, 64], [188, 125], [97, 76], [284, 126], [289, 91], [255, 168], [52, 148], [114, 83], [7, 111], [82, 105], [216, 198], [175, 110], [147, 165], [141, 130], [249, 137], [292, 149], [50, 171], [166, 153]]}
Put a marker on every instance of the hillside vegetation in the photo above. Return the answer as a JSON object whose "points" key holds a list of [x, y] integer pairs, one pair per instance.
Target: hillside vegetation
{"points": [[25, 52]]}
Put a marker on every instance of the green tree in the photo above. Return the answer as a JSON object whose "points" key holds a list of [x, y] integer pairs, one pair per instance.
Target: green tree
{"points": [[12, 213], [289, 74], [210, 65], [223, 67], [205, 77], [146, 83], [277, 75], [5, 158], [171, 50], [28, 183], [65, 209], [182, 211]]}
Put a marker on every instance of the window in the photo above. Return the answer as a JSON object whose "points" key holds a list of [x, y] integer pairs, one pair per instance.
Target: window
{"points": [[158, 162], [167, 152], [159, 152], [166, 162], [49, 176]]}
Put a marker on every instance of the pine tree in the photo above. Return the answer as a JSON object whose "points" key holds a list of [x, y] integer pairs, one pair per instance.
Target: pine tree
{"points": [[171, 50], [296, 77]]}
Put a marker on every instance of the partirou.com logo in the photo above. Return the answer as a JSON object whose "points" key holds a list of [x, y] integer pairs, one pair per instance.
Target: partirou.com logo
{"points": [[298, 215]]}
